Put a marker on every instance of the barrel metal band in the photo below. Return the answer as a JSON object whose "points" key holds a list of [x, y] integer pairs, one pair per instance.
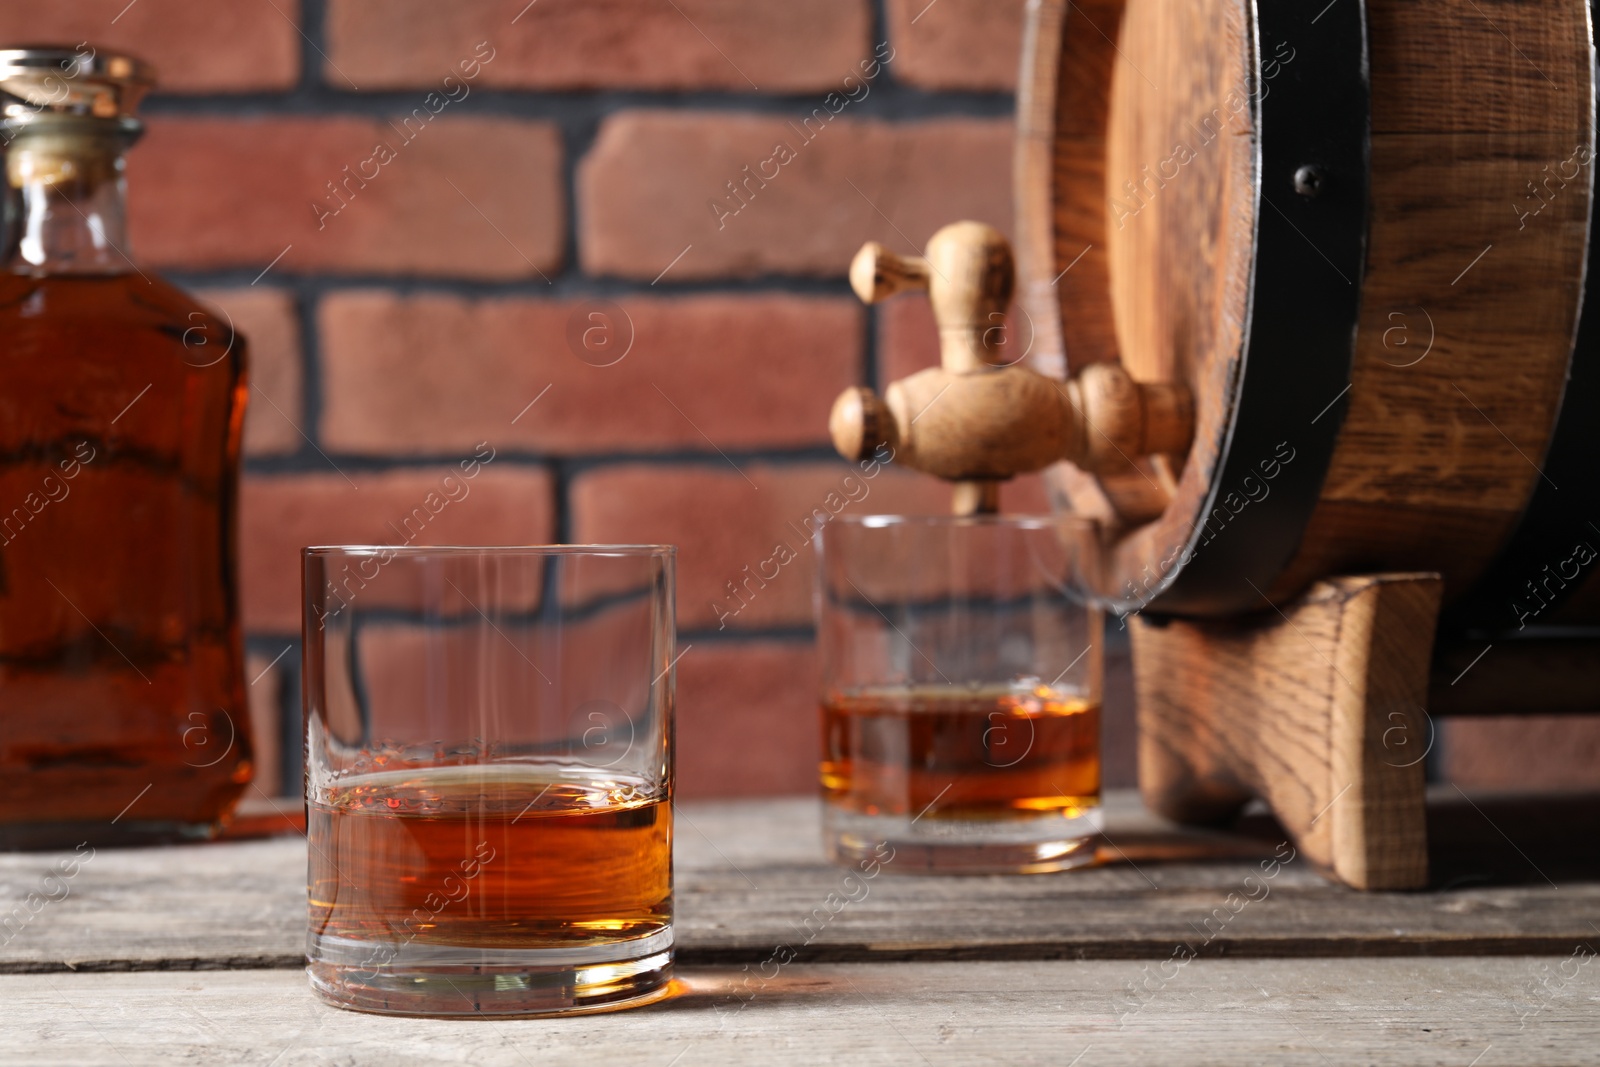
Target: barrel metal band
{"points": [[1313, 147]]}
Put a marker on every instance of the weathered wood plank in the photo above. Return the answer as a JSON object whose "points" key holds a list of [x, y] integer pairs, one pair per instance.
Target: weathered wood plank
{"points": [[750, 877], [1311, 1012]]}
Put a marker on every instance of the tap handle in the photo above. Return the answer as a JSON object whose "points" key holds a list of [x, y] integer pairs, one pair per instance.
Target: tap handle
{"points": [[876, 273], [969, 275], [971, 279]]}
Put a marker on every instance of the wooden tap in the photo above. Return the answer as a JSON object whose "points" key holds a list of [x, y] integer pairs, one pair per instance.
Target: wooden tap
{"points": [[979, 418]]}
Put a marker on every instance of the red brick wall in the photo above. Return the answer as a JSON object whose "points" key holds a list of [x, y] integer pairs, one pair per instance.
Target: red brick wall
{"points": [[570, 168], [404, 306]]}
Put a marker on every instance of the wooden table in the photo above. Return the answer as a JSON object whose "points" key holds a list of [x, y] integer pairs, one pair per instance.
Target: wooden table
{"points": [[192, 954]]}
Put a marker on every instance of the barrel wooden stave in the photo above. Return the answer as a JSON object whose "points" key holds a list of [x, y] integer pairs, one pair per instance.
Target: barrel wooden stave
{"points": [[1436, 458]]}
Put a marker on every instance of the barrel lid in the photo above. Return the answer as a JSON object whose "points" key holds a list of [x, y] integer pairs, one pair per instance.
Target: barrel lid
{"points": [[37, 81]]}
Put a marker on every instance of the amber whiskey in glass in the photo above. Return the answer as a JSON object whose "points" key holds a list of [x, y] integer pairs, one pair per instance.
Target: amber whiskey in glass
{"points": [[961, 693], [966, 754], [490, 857]]}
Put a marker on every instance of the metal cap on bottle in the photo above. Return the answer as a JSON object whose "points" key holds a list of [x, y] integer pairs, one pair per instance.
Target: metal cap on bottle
{"points": [[44, 84]]}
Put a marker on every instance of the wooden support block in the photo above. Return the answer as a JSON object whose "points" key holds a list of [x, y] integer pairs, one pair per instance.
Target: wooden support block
{"points": [[1317, 708]]}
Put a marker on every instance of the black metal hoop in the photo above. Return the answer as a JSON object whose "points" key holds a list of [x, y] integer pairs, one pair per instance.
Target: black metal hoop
{"points": [[1312, 182]]}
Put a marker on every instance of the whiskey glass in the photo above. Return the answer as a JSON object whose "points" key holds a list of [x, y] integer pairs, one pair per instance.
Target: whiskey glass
{"points": [[488, 739], [961, 685]]}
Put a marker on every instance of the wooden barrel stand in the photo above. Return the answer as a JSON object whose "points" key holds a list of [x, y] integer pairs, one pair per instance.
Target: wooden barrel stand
{"points": [[1358, 235], [1318, 709]]}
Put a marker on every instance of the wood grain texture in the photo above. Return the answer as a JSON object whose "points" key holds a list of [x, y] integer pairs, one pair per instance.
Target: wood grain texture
{"points": [[1438, 454], [1317, 708], [751, 877], [1479, 108], [1059, 177], [1226, 1012], [1481, 184], [1478, 66], [1145, 192]]}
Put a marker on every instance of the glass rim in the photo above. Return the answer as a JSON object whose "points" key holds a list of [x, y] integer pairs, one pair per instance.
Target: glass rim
{"points": [[638, 551], [1020, 522]]}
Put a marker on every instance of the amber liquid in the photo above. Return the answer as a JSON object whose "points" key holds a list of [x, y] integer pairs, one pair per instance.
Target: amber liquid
{"points": [[120, 657], [504, 857], [938, 754]]}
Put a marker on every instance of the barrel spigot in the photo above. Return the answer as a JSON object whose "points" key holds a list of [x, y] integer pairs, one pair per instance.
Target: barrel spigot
{"points": [[980, 417]]}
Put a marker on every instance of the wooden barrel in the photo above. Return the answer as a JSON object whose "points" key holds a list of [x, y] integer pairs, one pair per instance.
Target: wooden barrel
{"points": [[1359, 232]]}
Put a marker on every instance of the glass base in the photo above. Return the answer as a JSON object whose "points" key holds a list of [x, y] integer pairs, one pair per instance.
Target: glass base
{"points": [[455, 981], [1028, 845]]}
